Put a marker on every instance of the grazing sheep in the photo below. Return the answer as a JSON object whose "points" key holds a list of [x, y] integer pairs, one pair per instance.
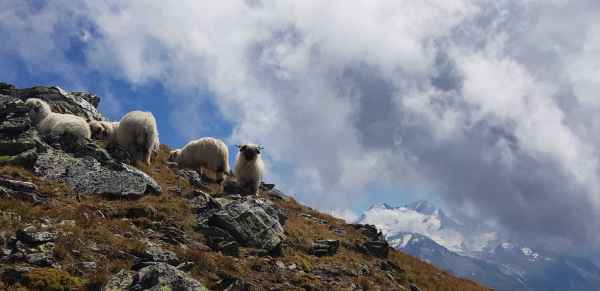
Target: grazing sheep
{"points": [[136, 133], [249, 168], [206, 153], [48, 122]]}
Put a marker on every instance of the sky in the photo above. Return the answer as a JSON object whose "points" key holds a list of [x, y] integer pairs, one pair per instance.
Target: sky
{"points": [[487, 107]]}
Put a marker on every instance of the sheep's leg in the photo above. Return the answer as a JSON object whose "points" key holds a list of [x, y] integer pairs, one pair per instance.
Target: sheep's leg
{"points": [[147, 156], [254, 189]]}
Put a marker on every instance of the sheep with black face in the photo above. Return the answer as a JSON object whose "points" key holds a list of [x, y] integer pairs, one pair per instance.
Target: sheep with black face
{"points": [[249, 168]]}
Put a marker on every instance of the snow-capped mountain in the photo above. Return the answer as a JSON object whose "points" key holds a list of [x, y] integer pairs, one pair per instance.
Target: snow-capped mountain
{"points": [[423, 218], [480, 252]]}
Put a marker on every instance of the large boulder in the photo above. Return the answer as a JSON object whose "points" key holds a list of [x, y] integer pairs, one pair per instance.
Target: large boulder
{"points": [[88, 175], [251, 221], [160, 276]]}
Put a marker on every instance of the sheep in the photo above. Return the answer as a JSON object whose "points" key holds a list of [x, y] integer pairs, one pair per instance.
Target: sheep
{"points": [[136, 132], [206, 153], [48, 122], [249, 168]]}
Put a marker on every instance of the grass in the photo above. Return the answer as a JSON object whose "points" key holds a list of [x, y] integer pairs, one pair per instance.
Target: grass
{"points": [[103, 232]]}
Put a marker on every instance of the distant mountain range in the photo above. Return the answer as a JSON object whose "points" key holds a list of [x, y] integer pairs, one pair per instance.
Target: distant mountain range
{"points": [[474, 250]]}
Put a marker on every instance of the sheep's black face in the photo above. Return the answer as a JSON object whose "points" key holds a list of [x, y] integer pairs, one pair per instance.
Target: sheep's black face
{"points": [[249, 152]]}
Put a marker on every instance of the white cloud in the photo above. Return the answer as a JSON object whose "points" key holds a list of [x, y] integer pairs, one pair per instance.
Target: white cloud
{"points": [[490, 103]]}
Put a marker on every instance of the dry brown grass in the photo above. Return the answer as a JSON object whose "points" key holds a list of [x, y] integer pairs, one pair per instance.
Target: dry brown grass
{"points": [[102, 232]]}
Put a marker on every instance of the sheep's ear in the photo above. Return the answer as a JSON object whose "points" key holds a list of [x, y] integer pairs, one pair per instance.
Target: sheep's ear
{"points": [[238, 146]]}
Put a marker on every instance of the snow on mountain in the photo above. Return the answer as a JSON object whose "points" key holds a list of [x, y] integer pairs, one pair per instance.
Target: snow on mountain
{"points": [[469, 249], [424, 218]]}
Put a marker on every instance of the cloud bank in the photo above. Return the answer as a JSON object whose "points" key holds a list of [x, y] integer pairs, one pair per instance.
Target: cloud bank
{"points": [[492, 104]]}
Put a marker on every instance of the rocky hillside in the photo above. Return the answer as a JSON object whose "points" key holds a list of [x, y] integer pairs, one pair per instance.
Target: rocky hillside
{"points": [[74, 216]]}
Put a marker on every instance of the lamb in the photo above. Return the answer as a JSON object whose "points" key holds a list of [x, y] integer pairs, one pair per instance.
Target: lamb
{"points": [[48, 122], [249, 168], [136, 133], [204, 154]]}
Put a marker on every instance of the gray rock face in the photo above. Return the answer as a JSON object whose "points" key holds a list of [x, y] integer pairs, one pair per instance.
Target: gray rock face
{"points": [[78, 103], [84, 167], [158, 276], [155, 254], [33, 245], [327, 247], [376, 245], [88, 175], [251, 222], [414, 287], [20, 190]]}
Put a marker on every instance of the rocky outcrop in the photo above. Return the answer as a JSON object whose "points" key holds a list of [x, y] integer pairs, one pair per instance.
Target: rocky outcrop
{"points": [[159, 276], [86, 168], [375, 245], [32, 245], [20, 190], [250, 221], [78, 103], [88, 175], [327, 247]]}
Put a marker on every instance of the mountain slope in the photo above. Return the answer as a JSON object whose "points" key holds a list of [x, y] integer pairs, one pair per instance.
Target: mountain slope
{"points": [[73, 216], [468, 249]]}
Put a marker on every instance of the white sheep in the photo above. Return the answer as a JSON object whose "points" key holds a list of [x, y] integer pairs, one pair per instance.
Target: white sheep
{"points": [[204, 154], [249, 168], [48, 122], [136, 133]]}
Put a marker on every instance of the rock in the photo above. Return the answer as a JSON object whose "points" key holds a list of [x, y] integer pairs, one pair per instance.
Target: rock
{"points": [[325, 247], [414, 287], [143, 211], [170, 233], [192, 176], [266, 187], [375, 245], [78, 103], [280, 265], [17, 185], [34, 246], [337, 230], [251, 222], [229, 248], [153, 253], [231, 283], [370, 231], [32, 235], [14, 145], [390, 266], [88, 175], [158, 276], [232, 187], [220, 240], [13, 275], [201, 203], [86, 267], [363, 270], [375, 248], [20, 190], [120, 281]]}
